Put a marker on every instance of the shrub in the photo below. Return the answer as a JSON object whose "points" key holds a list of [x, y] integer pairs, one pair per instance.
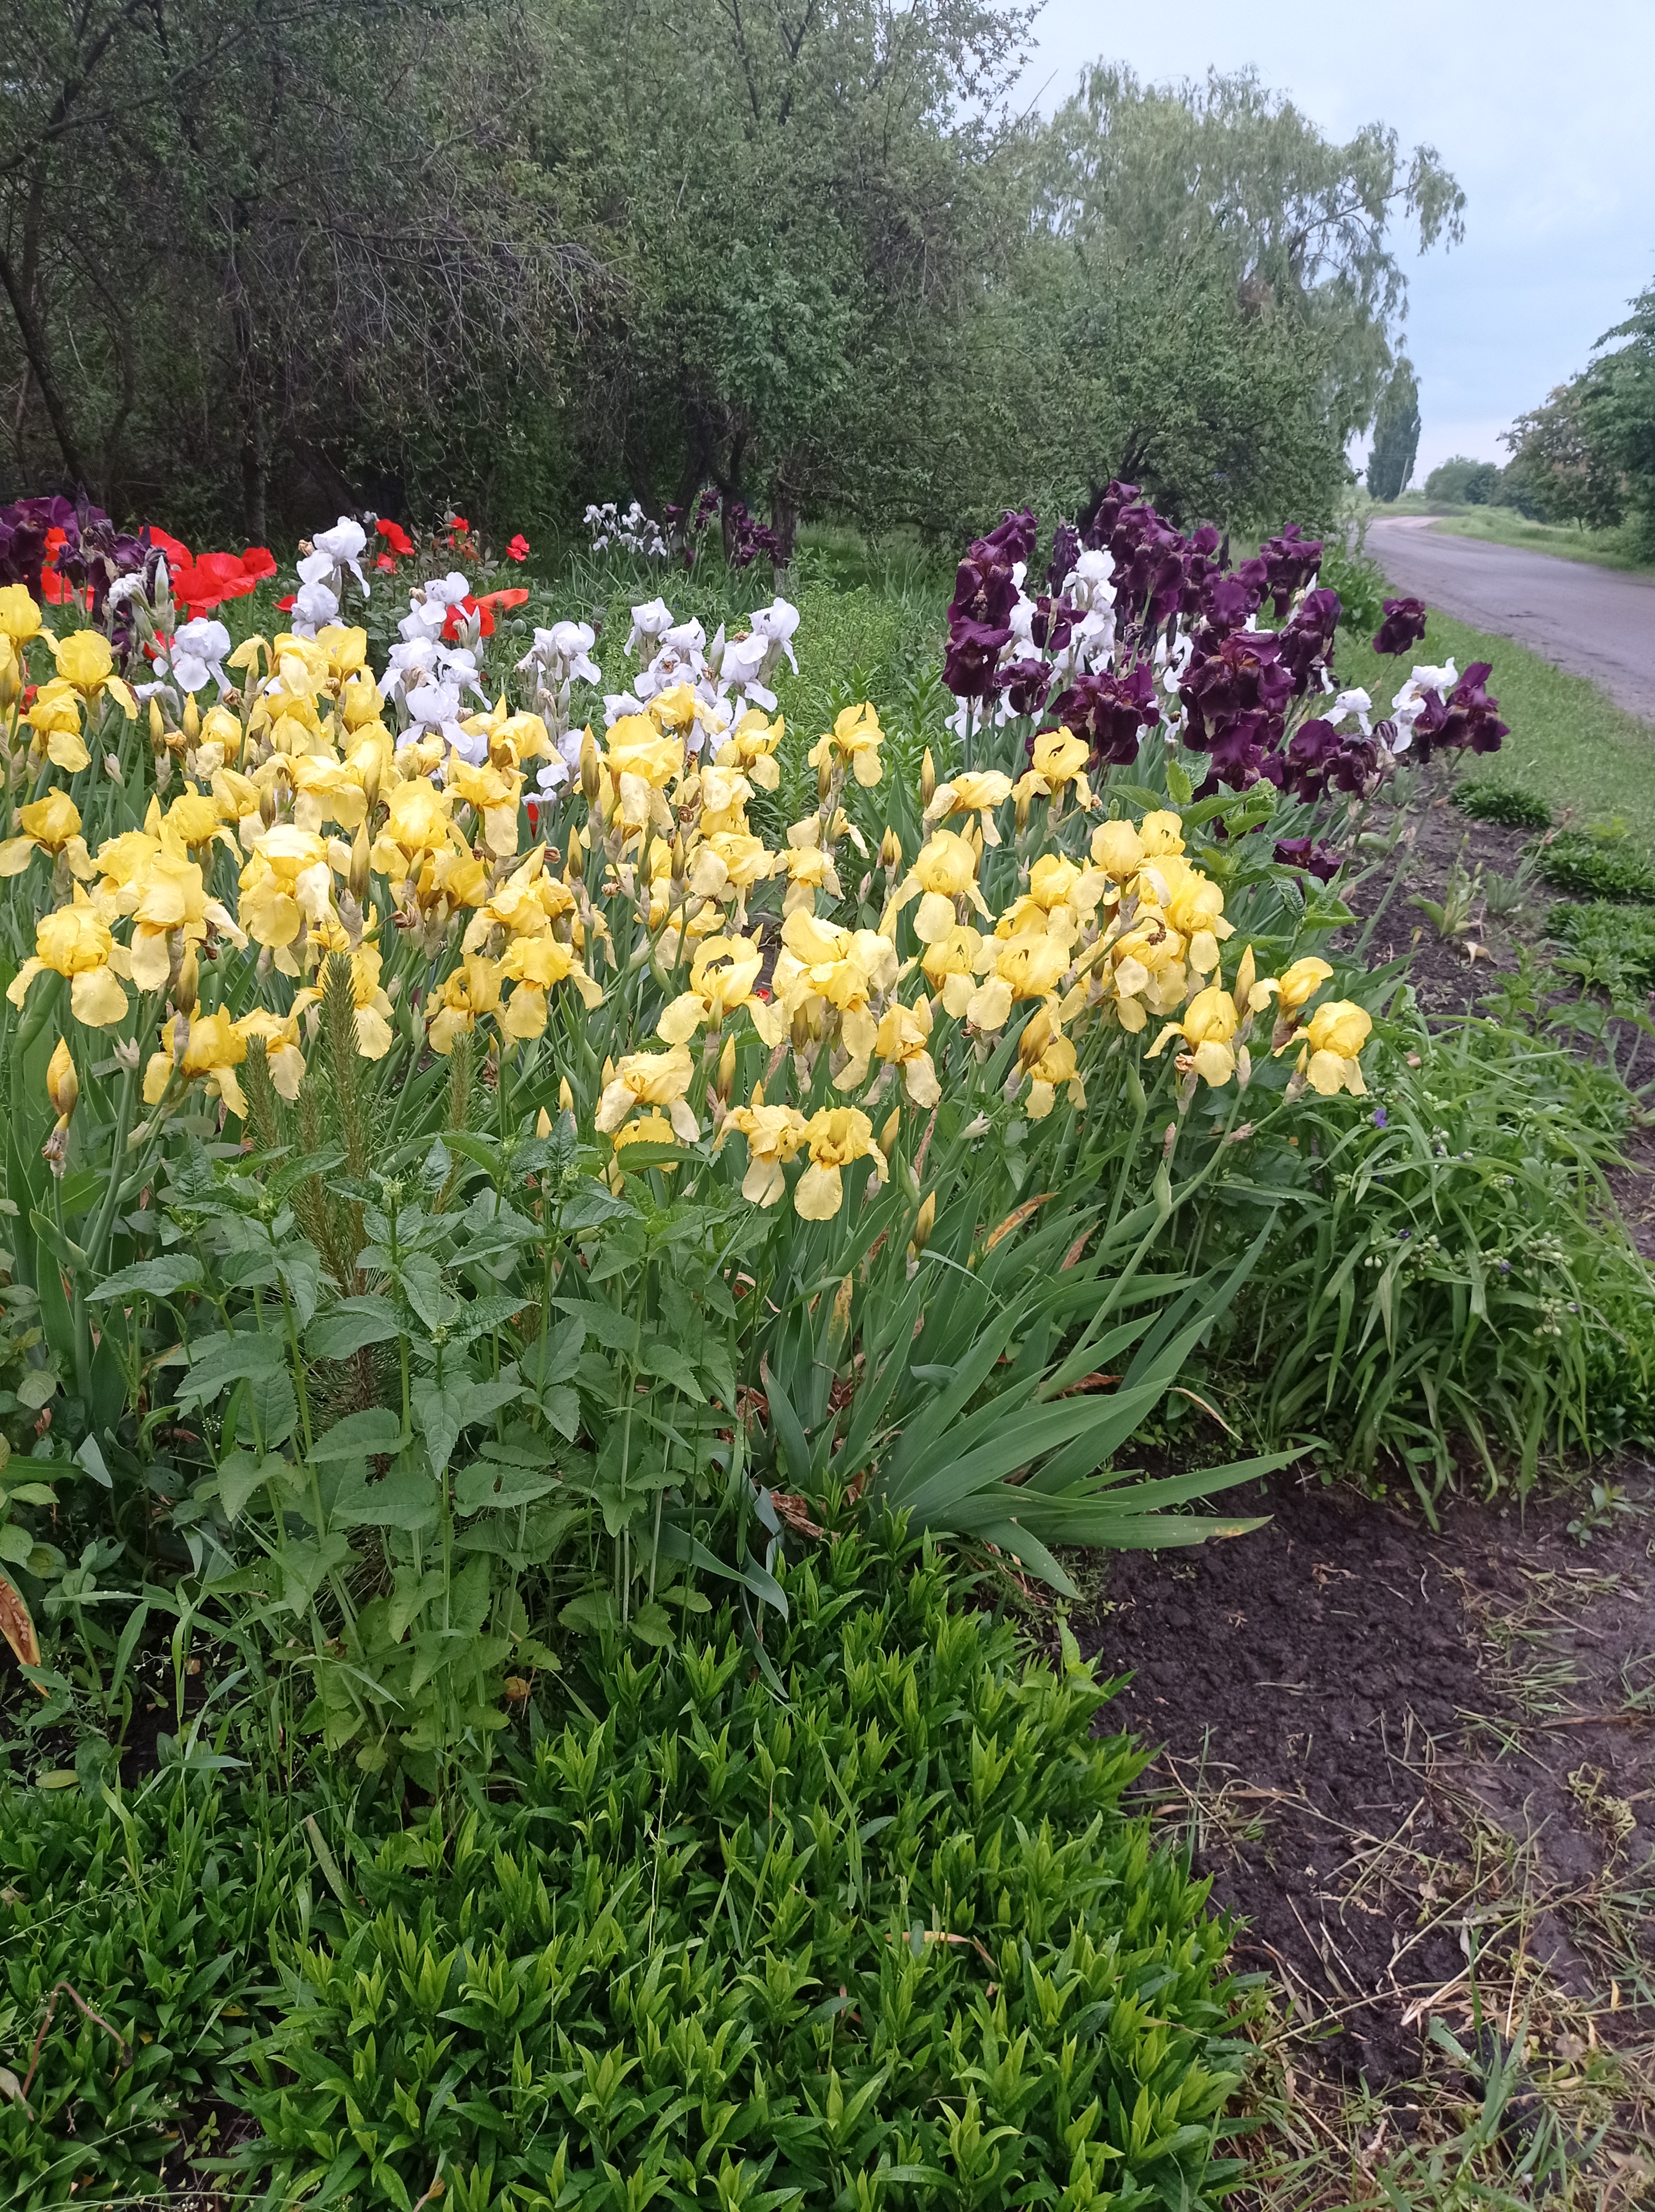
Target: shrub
{"points": [[1508, 804], [1589, 868], [891, 1941], [1610, 947], [1454, 1271]]}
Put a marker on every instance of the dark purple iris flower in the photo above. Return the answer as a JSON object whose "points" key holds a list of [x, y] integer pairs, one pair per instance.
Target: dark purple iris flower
{"points": [[1469, 721], [1025, 683], [1317, 759], [1242, 673], [1474, 722], [1243, 749], [1307, 640], [969, 665], [1290, 561], [1227, 601], [1402, 628], [1054, 623], [1065, 551], [983, 590], [1322, 861], [1110, 711]]}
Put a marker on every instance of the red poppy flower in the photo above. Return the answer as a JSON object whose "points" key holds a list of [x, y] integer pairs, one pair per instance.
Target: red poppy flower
{"points": [[259, 561], [484, 609], [178, 554], [518, 548], [285, 606], [387, 562], [396, 538]]}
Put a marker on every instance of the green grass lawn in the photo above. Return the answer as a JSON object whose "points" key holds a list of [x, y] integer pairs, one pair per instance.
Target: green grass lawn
{"points": [[1568, 740]]}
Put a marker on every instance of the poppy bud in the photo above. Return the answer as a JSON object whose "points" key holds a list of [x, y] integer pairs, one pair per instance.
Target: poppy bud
{"points": [[927, 781]]}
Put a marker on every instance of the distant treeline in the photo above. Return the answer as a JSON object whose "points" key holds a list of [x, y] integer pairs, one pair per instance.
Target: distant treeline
{"points": [[259, 263]]}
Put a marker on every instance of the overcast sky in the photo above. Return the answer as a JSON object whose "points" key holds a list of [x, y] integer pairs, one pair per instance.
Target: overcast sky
{"points": [[1545, 113]]}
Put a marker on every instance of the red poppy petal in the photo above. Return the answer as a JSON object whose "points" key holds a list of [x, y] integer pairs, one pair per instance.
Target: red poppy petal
{"points": [[178, 554]]}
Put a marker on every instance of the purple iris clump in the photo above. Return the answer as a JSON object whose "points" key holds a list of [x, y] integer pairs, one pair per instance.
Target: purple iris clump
{"points": [[749, 538], [1402, 628], [92, 554], [1322, 861], [1110, 711]]}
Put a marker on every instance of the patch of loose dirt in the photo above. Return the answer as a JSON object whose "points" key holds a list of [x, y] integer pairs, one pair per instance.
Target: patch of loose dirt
{"points": [[1409, 1760], [1449, 975]]}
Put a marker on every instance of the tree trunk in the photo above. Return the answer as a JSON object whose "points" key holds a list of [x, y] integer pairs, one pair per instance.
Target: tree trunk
{"points": [[40, 361]]}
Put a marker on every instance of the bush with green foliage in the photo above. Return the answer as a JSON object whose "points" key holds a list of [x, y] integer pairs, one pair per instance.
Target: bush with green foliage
{"points": [[1608, 947], [1507, 804], [892, 1940], [1589, 867], [1470, 483], [1454, 1270]]}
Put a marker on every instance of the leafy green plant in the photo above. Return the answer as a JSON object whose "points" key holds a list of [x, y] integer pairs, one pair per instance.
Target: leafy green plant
{"points": [[1608, 947], [1455, 1271], [134, 1936], [1509, 804], [1586, 868], [1452, 916], [891, 1941]]}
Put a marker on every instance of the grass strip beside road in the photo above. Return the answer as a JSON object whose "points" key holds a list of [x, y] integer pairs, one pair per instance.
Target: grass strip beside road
{"points": [[1568, 740]]}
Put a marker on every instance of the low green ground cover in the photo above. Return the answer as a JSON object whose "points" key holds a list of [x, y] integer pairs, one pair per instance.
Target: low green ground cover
{"points": [[890, 1939]]}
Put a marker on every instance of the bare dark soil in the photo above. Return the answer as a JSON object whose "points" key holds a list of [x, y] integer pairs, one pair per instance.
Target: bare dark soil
{"points": [[1449, 975], [1409, 1759]]}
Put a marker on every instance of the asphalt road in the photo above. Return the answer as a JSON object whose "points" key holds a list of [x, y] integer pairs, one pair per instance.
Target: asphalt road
{"points": [[1595, 621]]}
